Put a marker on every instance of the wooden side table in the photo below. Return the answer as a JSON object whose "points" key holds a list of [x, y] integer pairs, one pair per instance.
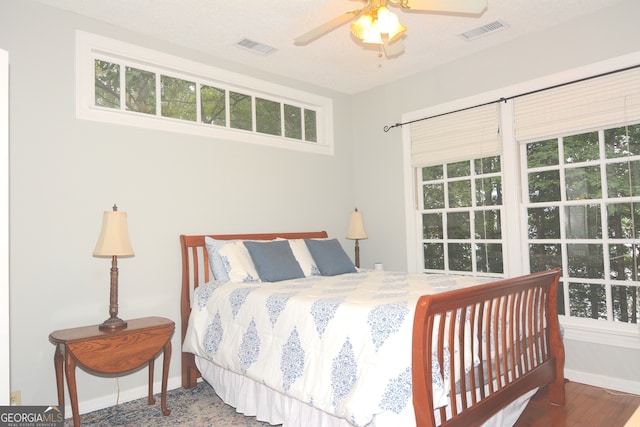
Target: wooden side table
{"points": [[112, 353]]}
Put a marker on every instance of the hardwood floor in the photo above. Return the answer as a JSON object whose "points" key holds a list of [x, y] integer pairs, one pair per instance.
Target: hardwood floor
{"points": [[586, 406]]}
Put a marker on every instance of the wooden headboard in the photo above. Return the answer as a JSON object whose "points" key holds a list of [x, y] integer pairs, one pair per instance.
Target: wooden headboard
{"points": [[196, 271]]}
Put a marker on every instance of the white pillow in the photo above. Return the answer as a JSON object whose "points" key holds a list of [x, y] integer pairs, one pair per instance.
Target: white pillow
{"points": [[238, 263], [304, 258], [215, 261]]}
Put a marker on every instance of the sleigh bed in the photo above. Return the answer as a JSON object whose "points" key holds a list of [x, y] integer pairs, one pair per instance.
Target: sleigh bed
{"points": [[331, 345]]}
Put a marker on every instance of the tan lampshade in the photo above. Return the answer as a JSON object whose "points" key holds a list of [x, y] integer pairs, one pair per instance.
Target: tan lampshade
{"points": [[114, 236], [356, 227]]}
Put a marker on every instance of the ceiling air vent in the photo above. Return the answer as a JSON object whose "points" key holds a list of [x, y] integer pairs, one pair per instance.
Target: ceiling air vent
{"points": [[484, 30], [256, 47]]}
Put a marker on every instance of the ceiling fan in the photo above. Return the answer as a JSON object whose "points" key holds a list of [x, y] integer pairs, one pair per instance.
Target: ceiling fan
{"points": [[377, 25]]}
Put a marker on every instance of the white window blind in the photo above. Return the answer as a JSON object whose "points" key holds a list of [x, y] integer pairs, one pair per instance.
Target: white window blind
{"points": [[602, 101], [460, 135]]}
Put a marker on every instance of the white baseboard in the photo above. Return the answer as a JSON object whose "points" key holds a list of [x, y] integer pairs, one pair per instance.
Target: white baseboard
{"points": [[86, 406], [611, 383]]}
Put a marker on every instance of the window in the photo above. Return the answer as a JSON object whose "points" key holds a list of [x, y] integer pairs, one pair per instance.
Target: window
{"points": [[564, 192], [583, 213], [136, 86], [460, 197], [461, 216]]}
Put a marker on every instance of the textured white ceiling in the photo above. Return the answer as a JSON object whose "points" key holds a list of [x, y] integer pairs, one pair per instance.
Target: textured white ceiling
{"points": [[335, 61]]}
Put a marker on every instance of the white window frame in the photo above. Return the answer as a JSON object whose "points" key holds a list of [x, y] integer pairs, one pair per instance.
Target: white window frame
{"points": [[516, 246], [91, 46], [472, 210]]}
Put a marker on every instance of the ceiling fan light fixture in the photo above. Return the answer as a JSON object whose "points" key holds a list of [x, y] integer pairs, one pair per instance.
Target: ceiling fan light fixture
{"points": [[397, 32], [389, 24], [373, 25], [363, 26], [373, 36]]}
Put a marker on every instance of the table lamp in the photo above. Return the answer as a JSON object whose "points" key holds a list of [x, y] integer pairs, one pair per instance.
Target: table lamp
{"points": [[113, 242], [356, 232]]}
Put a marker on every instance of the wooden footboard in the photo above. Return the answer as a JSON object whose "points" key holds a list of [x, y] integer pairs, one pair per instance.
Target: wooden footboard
{"points": [[195, 272], [510, 325]]}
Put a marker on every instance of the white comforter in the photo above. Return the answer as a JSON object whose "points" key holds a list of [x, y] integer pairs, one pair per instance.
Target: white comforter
{"points": [[341, 344]]}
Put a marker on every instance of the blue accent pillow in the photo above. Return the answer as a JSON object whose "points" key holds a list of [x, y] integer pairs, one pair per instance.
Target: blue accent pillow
{"points": [[329, 256], [274, 261]]}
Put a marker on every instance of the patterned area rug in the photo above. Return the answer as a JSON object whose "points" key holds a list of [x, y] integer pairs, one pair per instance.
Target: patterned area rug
{"points": [[199, 406]]}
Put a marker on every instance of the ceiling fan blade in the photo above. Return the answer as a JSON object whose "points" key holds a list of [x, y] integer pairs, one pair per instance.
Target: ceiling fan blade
{"points": [[474, 7], [394, 48], [326, 27]]}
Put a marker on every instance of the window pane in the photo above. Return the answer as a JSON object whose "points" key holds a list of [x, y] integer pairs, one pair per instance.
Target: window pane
{"points": [[433, 256], [268, 119], [310, 130], [544, 223], [585, 261], [625, 303], [623, 179], [432, 172], [583, 183], [489, 258], [178, 98], [544, 186], [488, 224], [542, 153], [433, 195], [623, 261], [623, 220], [487, 165], [140, 90], [458, 225], [581, 148], [460, 256], [459, 193], [213, 108], [544, 257], [623, 141], [107, 84], [292, 122], [432, 226], [489, 191], [560, 298], [583, 222], [588, 300], [240, 111], [459, 169]]}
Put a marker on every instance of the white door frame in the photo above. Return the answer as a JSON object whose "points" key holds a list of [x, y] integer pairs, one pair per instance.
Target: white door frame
{"points": [[5, 352]]}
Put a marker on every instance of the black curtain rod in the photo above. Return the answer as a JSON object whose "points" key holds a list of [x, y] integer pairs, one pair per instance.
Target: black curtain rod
{"points": [[388, 128]]}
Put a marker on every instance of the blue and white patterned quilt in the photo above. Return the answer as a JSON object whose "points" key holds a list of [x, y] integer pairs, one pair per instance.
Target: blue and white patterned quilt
{"points": [[341, 344]]}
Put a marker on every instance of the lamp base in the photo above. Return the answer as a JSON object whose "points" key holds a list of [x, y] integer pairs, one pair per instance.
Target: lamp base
{"points": [[112, 324]]}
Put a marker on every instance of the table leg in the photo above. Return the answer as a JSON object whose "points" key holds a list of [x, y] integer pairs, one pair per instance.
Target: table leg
{"points": [[70, 371], [58, 361], [152, 401], [165, 373]]}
